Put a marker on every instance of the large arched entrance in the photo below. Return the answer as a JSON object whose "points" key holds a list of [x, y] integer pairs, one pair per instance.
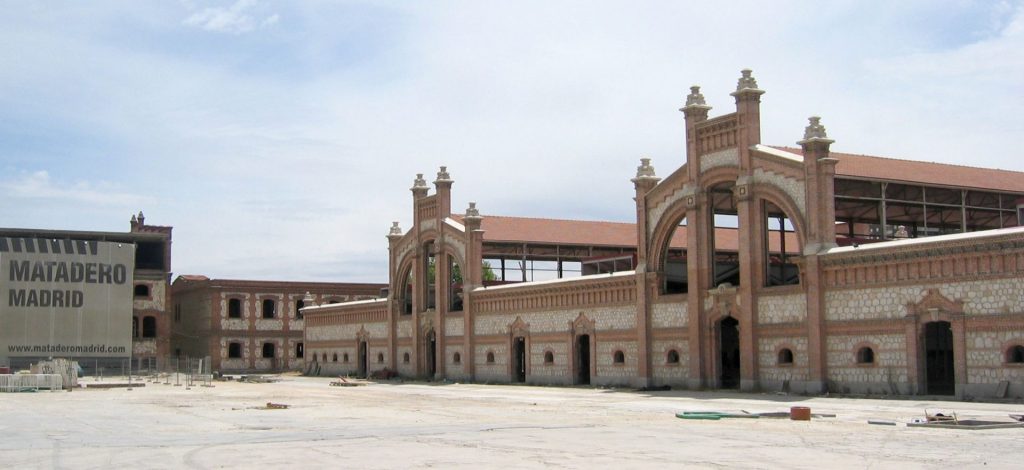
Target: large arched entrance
{"points": [[728, 353], [938, 358]]}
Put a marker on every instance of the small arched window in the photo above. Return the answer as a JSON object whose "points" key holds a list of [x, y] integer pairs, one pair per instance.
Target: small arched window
{"points": [[141, 290], [268, 308], [149, 327], [324, 356], [268, 350], [865, 355], [380, 358], [405, 358], [619, 357], [672, 357], [234, 308], [334, 358], [314, 356], [457, 358], [234, 350], [1015, 355], [549, 357], [785, 356], [490, 357], [344, 357]]}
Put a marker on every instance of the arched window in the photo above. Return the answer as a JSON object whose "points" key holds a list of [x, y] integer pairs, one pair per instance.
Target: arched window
{"points": [[865, 355], [141, 290], [673, 265], [324, 356], [234, 308], [725, 261], [268, 350], [268, 308], [314, 356], [149, 327], [344, 357], [334, 358], [405, 358], [549, 357], [619, 357], [380, 358], [298, 308], [781, 249], [406, 294], [454, 285], [672, 357], [234, 350], [1015, 355], [300, 351], [457, 358], [490, 357], [785, 356]]}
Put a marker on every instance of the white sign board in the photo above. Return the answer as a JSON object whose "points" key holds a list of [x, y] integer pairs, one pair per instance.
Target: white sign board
{"points": [[65, 298]]}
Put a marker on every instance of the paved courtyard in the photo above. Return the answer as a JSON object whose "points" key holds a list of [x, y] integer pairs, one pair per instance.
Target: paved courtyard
{"points": [[418, 425]]}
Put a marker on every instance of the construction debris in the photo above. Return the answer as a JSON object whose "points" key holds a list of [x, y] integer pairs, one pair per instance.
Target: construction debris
{"points": [[343, 382], [276, 406], [259, 379]]}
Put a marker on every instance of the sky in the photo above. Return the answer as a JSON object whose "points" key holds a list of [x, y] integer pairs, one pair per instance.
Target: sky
{"points": [[280, 138]]}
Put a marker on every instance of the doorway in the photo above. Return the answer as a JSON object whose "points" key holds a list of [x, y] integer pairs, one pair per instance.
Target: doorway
{"points": [[729, 353], [519, 360], [938, 358], [431, 354], [583, 360], [363, 360]]}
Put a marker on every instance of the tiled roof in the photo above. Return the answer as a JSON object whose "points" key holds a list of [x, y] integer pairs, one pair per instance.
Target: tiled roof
{"points": [[929, 173]]}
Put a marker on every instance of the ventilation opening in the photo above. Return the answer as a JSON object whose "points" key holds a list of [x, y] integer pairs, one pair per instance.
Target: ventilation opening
{"points": [[549, 357], [672, 357], [1015, 355], [785, 356], [618, 357], [141, 290], [865, 355], [490, 357]]}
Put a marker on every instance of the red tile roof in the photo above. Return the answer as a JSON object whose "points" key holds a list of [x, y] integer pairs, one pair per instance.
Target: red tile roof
{"points": [[589, 233], [930, 173]]}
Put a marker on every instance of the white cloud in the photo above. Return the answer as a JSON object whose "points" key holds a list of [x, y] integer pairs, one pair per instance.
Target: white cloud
{"points": [[39, 185], [235, 19]]}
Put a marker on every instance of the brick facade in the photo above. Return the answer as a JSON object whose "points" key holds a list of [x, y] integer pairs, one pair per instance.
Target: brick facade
{"points": [[786, 309]]}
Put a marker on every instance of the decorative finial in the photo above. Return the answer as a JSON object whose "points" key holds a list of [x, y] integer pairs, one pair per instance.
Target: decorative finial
{"points": [[747, 81], [419, 182], [395, 229], [134, 220], [443, 175], [645, 170], [814, 130], [308, 300], [472, 211], [695, 98]]}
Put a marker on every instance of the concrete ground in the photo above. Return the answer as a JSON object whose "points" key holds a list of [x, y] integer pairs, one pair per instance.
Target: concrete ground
{"points": [[418, 425]]}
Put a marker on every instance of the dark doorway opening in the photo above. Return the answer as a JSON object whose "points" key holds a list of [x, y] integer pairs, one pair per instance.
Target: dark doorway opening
{"points": [[363, 360], [431, 355], [938, 360], [729, 353], [583, 360], [519, 359]]}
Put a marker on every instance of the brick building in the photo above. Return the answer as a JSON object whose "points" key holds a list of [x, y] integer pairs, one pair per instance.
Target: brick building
{"points": [[749, 267], [250, 325]]}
